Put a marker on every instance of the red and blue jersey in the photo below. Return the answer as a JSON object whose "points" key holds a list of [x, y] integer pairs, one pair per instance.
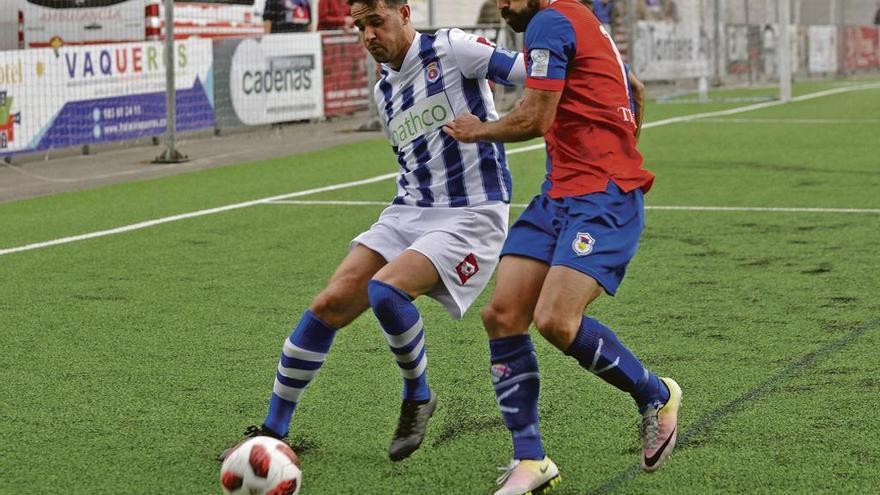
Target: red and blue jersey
{"points": [[593, 138]]}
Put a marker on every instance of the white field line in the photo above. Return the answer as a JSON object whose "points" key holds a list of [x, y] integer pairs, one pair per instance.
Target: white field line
{"points": [[379, 178], [793, 121], [759, 106], [200, 213], [656, 208]]}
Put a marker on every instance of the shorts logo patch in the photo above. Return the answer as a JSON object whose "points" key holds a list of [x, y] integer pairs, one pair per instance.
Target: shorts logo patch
{"points": [[583, 244], [483, 41], [540, 63], [433, 72], [467, 268]]}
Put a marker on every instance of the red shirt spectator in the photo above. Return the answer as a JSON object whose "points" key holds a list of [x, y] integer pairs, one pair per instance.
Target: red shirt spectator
{"points": [[334, 14]]}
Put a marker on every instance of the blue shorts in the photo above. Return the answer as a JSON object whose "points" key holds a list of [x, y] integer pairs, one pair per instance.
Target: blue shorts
{"points": [[596, 234]]}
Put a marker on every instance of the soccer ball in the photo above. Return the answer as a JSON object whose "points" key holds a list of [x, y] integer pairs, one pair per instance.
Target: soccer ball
{"points": [[261, 466]]}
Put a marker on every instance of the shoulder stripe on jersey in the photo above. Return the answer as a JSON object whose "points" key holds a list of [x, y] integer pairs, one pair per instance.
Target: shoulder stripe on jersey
{"points": [[401, 160], [422, 172], [488, 163], [385, 86], [504, 172], [420, 149], [451, 151], [408, 98], [428, 54], [500, 64]]}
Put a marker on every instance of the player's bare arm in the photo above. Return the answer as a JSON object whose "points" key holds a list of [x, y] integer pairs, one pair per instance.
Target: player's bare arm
{"points": [[638, 93], [530, 119]]}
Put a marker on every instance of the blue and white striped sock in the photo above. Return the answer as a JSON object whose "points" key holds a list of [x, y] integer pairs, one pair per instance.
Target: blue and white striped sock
{"points": [[403, 329], [303, 354]]}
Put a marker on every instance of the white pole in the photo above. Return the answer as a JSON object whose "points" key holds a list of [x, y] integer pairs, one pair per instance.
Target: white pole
{"points": [[784, 42], [171, 155]]}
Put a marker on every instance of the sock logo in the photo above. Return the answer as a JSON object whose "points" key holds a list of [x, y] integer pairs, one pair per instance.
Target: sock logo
{"points": [[507, 409], [467, 268], [583, 244], [499, 372]]}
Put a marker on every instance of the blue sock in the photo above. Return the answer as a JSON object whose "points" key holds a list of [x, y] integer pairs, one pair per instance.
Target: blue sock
{"points": [[403, 329], [517, 382], [303, 354], [600, 352]]}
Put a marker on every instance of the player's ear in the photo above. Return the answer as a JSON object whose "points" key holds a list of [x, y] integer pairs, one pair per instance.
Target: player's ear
{"points": [[405, 13]]}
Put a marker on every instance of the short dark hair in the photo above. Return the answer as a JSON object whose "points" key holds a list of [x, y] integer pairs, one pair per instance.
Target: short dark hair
{"points": [[372, 3]]}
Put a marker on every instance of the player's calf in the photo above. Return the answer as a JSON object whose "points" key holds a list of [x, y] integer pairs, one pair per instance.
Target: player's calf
{"points": [[404, 331]]}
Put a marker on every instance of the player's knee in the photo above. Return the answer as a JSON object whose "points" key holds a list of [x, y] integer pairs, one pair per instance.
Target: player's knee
{"points": [[332, 307], [500, 322], [557, 329], [384, 298]]}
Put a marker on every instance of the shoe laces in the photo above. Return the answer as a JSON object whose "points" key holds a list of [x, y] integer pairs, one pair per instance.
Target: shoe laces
{"points": [[508, 471], [253, 431], [650, 427], [408, 416], [258, 431]]}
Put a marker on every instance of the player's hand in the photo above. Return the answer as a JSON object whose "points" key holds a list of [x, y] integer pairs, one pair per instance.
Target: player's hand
{"points": [[464, 128]]}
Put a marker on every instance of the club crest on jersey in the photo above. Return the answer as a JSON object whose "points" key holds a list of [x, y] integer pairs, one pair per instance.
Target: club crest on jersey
{"points": [[433, 74], [499, 372], [467, 268], [583, 244]]}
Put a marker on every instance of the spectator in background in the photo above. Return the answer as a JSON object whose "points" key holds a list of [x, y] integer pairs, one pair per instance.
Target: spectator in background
{"points": [[334, 14], [287, 16], [649, 10], [605, 12], [489, 13], [657, 10], [877, 15]]}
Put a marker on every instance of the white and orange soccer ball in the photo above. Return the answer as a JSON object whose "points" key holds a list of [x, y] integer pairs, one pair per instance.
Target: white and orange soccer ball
{"points": [[261, 466]]}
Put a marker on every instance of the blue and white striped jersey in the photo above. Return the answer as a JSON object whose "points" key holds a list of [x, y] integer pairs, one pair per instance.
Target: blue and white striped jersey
{"points": [[443, 75]]}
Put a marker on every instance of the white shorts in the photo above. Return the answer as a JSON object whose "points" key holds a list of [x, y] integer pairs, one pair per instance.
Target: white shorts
{"points": [[462, 243]]}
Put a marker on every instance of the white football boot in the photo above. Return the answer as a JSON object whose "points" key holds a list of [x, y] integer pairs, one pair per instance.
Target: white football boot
{"points": [[528, 477]]}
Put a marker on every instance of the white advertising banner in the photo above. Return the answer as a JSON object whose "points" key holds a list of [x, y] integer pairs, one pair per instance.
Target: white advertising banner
{"points": [[823, 49], [277, 78], [667, 51], [98, 93]]}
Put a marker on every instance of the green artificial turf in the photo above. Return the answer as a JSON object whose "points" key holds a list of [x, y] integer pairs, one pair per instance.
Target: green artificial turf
{"points": [[129, 361]]}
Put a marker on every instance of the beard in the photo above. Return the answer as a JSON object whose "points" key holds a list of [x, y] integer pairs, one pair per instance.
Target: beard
{"points": [[380, 54], [519, 20]]}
